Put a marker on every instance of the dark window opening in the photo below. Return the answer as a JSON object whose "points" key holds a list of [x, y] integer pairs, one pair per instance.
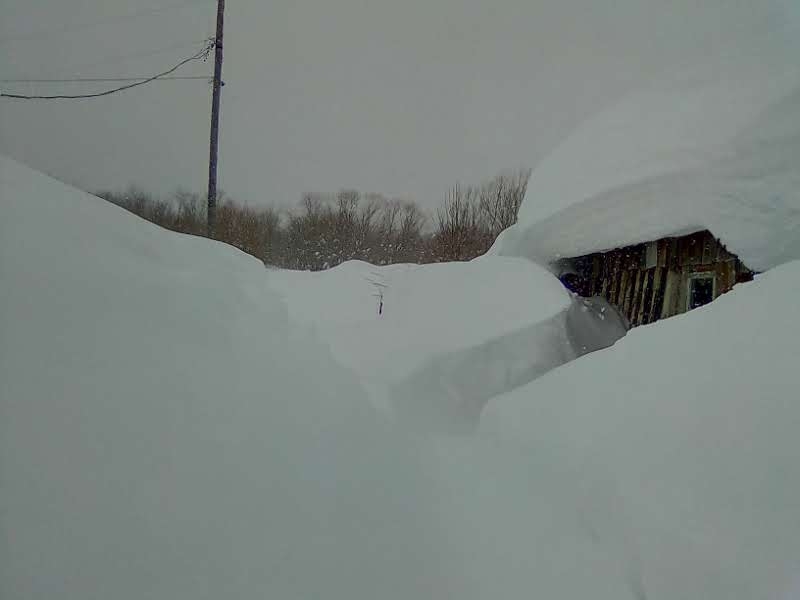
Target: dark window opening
{"points": [[701, 291], [577, 284]]}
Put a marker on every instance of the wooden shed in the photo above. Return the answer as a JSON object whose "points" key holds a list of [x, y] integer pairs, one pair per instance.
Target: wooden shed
{"points": [[657, 279]]}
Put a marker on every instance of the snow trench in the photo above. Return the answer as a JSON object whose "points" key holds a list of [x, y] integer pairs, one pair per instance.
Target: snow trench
{"points": [[450, 391]]}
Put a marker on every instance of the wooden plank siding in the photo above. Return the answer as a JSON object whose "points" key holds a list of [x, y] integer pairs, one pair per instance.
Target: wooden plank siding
{"points": [[651, 281]]}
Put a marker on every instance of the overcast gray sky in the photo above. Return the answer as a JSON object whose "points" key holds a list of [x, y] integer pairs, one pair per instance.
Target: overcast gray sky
{"points": [[402, 97]]}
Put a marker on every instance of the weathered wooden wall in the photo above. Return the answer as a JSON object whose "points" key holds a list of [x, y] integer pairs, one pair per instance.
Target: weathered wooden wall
{"points": [[650, 281]]}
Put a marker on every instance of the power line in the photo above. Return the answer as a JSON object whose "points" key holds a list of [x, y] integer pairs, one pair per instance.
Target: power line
{"points": [[122, 58], [107, 79], [131, 56], [214, 44], [76, 71], [203, 54]]}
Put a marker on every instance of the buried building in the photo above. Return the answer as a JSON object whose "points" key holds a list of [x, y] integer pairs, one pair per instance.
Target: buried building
{"points": [[657, 279], [668, 199]]}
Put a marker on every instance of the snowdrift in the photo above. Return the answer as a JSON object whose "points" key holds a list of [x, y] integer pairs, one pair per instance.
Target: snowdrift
{"points": [[428, 310], [710, 148], [159, 434], [432, 343], [686, 435], [168, 432]]}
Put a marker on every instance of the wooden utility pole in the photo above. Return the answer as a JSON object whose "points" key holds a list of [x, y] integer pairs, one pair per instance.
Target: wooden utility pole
{"points": [[214, 145]]}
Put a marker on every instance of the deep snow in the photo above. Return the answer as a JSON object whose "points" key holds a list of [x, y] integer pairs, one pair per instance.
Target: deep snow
{"points": [[428, 310], [168, 432], [712, 147], [437, 322], [170, 428], [159, 434], [447, 336], [686, 435]]}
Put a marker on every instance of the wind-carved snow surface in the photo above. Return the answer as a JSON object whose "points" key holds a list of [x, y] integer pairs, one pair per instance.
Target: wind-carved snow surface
{"points": [[713, 148], [451, 390], [168, 432], [692, 425], [428, 310], [448, 336]]}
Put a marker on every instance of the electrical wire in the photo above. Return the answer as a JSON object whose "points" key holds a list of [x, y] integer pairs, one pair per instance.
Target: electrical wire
{"points": [[105, 79], [132, 56], [203, 54], [77, 70]]}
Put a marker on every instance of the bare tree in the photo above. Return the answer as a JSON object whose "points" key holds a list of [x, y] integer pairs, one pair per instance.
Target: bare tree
{"points": [[327, 229], [501, 198], [458, 225], [191, 212], [389, 215]]}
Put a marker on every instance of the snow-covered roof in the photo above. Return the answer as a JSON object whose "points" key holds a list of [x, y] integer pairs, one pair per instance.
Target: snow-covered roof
{"points": [[713, 148]]}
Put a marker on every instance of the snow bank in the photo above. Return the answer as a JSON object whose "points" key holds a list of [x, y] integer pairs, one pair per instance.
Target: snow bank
{"points": [[159, 434], [713, 147], [428, 310], [450, 391], [686, 433], [166, 432], [450, 335]]}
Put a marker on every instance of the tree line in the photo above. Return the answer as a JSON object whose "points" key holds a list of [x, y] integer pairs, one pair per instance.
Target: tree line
{"points": [[325, 230]]}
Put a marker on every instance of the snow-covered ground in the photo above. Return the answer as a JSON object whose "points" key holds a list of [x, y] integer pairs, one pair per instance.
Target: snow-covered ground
{"points": [[686, 433], [713, 147], [178, 422], [448, 336], [428, 310], [683, 434], [167, 431], [436, 322]]}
